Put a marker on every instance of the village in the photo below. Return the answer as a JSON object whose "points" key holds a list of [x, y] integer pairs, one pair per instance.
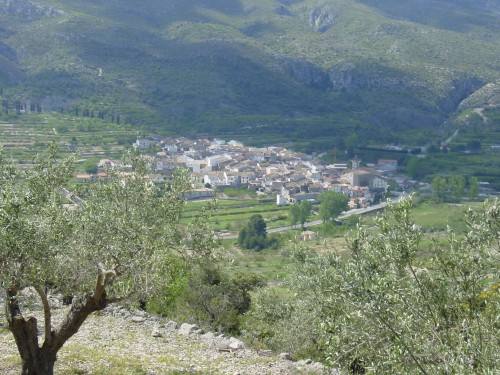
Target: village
{"points": [[287, 176]]}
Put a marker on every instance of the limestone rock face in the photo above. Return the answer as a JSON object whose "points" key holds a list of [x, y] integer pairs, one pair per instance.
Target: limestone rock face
{"points": [[321, 19], [307, 73]]}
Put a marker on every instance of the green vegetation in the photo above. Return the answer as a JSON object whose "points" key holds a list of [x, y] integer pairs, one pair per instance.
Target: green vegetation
{"points": [[22, 137], [332, 204], [452, 189], [125, 233], [232, 215], [208, 296], [425, 314], [300, 213], [424, 298], [254, 235], [231, 67]]}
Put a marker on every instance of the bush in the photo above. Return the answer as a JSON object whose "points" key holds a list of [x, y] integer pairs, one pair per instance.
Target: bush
{"points": [[254, 235], [425, 315], [393, 306], [208, 297], [283, 321]]}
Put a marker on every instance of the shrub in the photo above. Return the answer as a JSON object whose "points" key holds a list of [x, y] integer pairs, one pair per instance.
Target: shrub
{"points": [[209, 297]]}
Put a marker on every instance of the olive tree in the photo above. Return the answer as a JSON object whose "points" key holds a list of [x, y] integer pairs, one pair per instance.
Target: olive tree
{"points": [[402, 304], [113, 244]]}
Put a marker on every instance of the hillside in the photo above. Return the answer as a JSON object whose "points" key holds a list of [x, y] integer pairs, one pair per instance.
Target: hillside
{"points": [[306, 71], [122, 341]]}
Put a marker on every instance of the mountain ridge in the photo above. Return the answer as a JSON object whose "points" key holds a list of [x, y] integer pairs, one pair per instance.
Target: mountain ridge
{"points": [[334, 66]]}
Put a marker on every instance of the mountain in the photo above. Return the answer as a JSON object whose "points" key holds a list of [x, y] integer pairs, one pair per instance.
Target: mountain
{"points": [[306, 71]]}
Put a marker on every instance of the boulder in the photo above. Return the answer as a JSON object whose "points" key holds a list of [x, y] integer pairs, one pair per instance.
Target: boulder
{"points": [[236, 344], [209, 336], [265, 353], [285, 356], [187, 329], [138, 319], [171, 326]]}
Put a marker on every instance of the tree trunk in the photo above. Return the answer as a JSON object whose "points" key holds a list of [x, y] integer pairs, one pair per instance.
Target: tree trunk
{"points": [[40, 363], [40, 360], [35, 360]]}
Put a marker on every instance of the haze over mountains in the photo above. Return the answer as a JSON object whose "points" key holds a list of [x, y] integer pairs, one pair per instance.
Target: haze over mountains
{"points": [[290, 68]]}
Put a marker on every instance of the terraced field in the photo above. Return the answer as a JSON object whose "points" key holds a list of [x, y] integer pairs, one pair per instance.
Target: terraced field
{"points": [[232, 215], [23, 137]]}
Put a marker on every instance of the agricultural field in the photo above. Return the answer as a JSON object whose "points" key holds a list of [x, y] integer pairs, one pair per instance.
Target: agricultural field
{"points": [[232, 214], [274, 265], [22, 137]]}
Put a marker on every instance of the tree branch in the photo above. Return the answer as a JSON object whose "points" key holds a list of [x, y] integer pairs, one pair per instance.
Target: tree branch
{"points": [[104, 278], [46, 312], [12, 309]]}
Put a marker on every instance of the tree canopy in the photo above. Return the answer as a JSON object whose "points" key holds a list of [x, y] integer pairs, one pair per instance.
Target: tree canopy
{"points": [[254, 235], [395, 303], [112, 244], [300, 212], [332, 204]]}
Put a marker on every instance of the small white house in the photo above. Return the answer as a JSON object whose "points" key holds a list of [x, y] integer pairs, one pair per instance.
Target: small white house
{"points": [[281, 200]]}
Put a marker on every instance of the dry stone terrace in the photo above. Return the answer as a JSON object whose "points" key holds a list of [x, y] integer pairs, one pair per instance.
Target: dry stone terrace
{"points": [[127, 341]]}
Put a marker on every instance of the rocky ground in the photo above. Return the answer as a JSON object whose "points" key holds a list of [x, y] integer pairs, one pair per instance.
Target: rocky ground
{"points": [[120, 341]]}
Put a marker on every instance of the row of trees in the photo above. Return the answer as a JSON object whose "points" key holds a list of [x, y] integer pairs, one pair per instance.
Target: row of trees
{"points": [[103, 115], [453, 188], [331, 205], [19, 107]]}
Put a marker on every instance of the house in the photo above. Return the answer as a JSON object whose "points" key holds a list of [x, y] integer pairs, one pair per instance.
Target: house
{"points": [[105, 164], [232, 179], [304, 197], [359, 177], [281, 200], [144, 143], [246, 177], [215, 162], [387, 165], [235, 144], [216, 179], [338, 166], [171, 148]]}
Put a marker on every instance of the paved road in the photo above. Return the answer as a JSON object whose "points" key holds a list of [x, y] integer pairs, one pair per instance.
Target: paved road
{"points": [[345, 215]]}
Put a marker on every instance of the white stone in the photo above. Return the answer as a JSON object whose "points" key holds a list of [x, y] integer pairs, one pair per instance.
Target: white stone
{"points": [[171, 325], [236, 344], [187, 329]]}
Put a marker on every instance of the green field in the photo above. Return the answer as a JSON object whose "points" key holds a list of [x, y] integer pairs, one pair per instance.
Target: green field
{"points": [[275, 264], [232, 215], [22, 137]]}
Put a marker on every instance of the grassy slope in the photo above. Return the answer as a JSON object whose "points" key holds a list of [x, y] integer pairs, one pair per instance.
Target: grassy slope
{"points": [[22, 137], [217, 66]]}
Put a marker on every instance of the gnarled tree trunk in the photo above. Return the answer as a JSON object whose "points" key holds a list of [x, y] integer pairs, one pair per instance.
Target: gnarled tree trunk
{"points": [[35, 360], [40, 360]]}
